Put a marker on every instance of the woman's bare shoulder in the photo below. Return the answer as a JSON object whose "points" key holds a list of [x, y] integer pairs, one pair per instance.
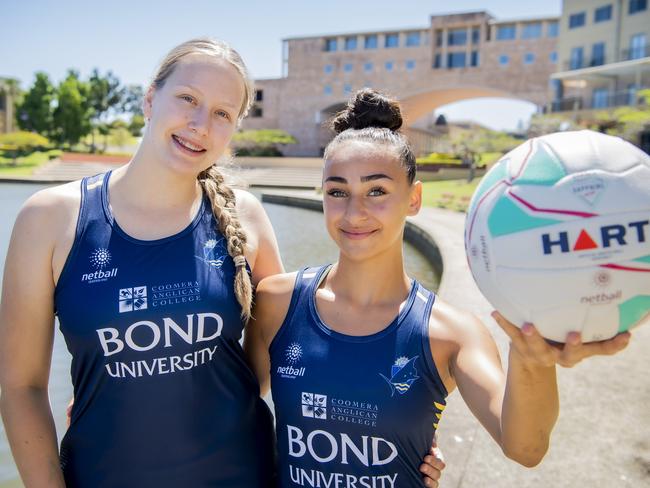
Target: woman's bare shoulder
{"points": [[51, 206]]}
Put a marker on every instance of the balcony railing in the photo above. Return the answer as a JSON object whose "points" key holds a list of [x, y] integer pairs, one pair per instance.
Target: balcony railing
{"points": [[598, 101], [587, 63], [635, 53], [625, 55]]}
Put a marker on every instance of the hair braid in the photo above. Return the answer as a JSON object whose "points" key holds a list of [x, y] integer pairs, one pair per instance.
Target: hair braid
{"points": [[222, 200]]}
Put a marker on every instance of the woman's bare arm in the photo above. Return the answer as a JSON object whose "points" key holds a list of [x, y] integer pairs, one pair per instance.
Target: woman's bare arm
{"points": [[26, 337]]}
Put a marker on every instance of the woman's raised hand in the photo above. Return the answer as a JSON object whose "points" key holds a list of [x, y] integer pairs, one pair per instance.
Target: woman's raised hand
{"points": [[534, 350]]}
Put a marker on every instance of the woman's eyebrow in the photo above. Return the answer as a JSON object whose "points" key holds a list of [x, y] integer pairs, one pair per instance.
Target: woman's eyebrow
{"points": [[377, 176]]}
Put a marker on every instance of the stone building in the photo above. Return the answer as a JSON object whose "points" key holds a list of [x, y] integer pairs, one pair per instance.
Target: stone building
{"points": [[454, 57], [604, 54]]}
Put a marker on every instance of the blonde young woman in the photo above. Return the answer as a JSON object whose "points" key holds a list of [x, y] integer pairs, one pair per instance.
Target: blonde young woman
{"points": [[150, 270], [360, 358]]}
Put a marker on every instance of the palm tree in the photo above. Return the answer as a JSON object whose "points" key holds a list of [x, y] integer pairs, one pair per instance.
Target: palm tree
{"points": [[10, 91]]}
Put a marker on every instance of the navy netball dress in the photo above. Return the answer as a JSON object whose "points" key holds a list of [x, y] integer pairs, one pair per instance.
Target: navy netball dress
{"points": [[163, 396], [354, 411]]}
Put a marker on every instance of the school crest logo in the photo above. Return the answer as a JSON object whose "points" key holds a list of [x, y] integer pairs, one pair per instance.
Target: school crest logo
{"points": [[402, 375], [214, 253], [314, 405], [131, 299]]}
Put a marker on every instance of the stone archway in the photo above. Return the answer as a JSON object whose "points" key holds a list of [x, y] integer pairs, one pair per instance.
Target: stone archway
{"points": [[420, 104]]}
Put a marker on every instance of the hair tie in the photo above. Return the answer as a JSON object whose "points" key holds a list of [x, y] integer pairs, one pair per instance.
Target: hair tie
{"points": [[239, 261]]}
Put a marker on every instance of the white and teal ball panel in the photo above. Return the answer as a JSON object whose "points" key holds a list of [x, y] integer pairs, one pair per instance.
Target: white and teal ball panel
{"points": [[558, 234]]}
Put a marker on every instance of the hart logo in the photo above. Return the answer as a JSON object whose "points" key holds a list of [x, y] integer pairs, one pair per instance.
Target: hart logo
{"points": [[314, 405], [402, 375], [131, 299], [606, 237], [293, 354], [100, 258], [588, 188]]}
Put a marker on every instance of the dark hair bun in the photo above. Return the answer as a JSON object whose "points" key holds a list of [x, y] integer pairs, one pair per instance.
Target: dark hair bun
{"points": [[368, 108]]}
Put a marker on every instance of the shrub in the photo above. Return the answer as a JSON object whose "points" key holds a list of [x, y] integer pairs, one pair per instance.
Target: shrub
{"points": [[23, 141]]}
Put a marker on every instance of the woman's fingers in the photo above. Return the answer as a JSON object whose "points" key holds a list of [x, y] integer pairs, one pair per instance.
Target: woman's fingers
{"points": [[432, 466], [528, 342], [575, 351], [533, 348]]}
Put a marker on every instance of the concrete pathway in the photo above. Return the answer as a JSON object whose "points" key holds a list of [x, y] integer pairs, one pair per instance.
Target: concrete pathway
{"points": [[57, 171], [602, 437]]}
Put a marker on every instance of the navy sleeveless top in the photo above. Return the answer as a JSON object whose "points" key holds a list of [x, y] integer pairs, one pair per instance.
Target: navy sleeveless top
{"points": [[163, 395], [354, 411]]}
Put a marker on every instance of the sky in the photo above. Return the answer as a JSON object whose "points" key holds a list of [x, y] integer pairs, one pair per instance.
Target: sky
{"points": [[130, 37]]}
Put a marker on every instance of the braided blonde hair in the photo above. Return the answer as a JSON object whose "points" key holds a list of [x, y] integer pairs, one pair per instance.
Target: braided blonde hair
{"points": [[222, 197]]}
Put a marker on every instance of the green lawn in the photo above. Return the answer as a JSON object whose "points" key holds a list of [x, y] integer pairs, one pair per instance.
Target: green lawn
{"points": [[450, 194], [25, 165]]}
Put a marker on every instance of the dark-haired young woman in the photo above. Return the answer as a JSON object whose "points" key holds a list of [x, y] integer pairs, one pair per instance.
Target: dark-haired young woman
{"points": [[360, 357]]}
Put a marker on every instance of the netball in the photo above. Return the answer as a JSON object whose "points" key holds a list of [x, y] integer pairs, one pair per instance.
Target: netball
{"points": [[558, 234]]}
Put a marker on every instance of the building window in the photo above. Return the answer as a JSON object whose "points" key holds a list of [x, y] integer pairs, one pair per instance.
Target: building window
{"points": [[637, 6], [259, 95], [413, 39], [437, 61], [577, 20], [350, 43], [330, 45], [367, 67], [506, 32], [439, 38], [504, 59], [638, 47], [370, 42], [347, 67], [599, 98], [457, 37], [328, 69], [347, 89], [256, 111], [456, 60], [392, 40], [529, 58], [576, 58], [388, 65], [598, 54], [552, 57], [474, 58], [532, 31], [632, 89], [602, 14], [553, 29], [476, 35], [327, 90], [410, 65]]}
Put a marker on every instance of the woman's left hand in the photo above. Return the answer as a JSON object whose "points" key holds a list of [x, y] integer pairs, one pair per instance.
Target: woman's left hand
{"points": [[432, 466], [534, 350]]}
